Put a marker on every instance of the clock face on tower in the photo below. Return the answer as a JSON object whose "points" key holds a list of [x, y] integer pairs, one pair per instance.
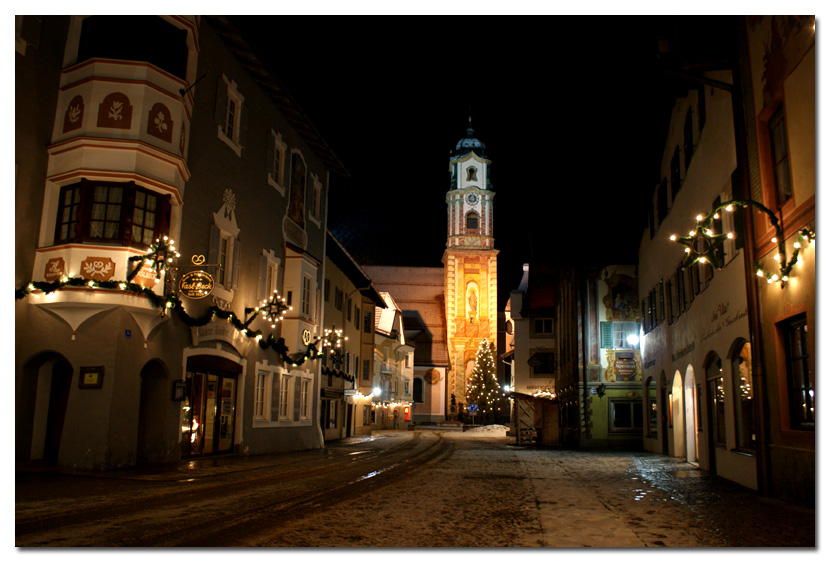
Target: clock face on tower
{"points": [[472, 198]]}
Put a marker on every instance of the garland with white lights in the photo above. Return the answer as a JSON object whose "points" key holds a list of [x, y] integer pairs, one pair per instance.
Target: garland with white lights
{"points": [[701, 244], [160, 259]]}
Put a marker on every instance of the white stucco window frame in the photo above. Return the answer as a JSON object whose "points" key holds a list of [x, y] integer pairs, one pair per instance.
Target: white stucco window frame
{"points": [[233, 94]]}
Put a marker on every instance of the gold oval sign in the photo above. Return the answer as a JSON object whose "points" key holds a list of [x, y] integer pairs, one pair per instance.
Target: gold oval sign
{"points": [[196, 284], [306, 337]]}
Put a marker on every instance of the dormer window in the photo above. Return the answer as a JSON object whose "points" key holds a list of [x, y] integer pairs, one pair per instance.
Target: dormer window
{"points": [[471, 174]]}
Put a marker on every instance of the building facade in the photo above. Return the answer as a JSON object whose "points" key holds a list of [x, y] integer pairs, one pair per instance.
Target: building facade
{"points": [[148, 140], [394, 369], [695, 318], [419, 292], [349, 302], [729, 327], [780, 73], [572, 341]]}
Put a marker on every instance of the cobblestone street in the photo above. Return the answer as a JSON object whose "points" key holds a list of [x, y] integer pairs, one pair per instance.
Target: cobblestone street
{"points": [[462, 489]]}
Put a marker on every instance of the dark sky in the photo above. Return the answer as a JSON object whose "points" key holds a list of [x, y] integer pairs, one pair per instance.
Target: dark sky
{"points": [[572, 110]]}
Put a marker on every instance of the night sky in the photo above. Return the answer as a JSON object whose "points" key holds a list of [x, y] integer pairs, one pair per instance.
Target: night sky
{"points": [[573, 112]]}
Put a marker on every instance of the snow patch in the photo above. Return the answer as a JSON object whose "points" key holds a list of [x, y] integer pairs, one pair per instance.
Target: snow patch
{"points": [[487, 429]]}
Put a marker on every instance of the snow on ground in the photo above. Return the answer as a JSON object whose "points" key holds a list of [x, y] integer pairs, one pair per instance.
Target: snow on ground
{"points": [[493, 430]]}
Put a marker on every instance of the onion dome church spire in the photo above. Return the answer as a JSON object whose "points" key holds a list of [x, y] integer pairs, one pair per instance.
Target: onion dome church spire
{"points": [[470, 272]]}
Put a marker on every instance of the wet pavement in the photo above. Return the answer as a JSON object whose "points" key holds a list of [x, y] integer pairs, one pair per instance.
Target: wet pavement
{"points": [[535, 497]]}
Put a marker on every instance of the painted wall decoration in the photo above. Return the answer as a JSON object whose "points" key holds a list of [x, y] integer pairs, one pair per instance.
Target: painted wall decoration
{"points": [[472, 301], [621, 300], [97, 268], [73, 118], [55, 269], [623, 366], [115, 112], [787, 39], [160, 123]]}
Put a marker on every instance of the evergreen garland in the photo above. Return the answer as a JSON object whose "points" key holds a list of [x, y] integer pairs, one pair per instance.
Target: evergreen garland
{"points": [[174, 304]]}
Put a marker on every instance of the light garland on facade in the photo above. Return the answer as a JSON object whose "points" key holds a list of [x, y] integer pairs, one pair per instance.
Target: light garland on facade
{"points": [[332, 342], [272, 310], [172, 303], [159, 258], [702, 243]]}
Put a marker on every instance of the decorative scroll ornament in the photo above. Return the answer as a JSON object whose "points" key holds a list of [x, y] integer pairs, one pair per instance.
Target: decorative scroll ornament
{"points": [[702, 243]]}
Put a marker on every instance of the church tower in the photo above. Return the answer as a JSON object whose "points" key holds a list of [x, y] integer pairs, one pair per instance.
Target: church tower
{"points": [[470, 288]]}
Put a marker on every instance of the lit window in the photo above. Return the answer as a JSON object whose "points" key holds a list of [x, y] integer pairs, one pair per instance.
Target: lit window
{"points": [[110, 213], [744, 406]]}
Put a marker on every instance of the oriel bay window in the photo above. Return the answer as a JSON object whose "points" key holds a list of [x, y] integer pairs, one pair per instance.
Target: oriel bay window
{"points": [[119, 213]]}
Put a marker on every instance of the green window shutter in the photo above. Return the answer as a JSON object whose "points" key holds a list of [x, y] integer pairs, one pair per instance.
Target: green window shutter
{"points": [[606, 335]]}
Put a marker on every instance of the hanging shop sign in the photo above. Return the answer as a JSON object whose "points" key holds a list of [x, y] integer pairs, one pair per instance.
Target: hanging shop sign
{"points": [[196, 284]]}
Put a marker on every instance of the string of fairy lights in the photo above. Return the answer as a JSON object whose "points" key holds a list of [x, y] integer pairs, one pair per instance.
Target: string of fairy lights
{"points": [[161, 260], [703, 243], [482, 386]]}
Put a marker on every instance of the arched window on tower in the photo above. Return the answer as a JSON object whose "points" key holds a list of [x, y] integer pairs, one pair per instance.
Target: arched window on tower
{"points": [[472, 221], [471, 174]]}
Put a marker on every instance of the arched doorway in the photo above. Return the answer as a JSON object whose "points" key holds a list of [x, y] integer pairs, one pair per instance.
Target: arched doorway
{"points": [[690, 427], [151, 444], [678, 448], [716, 407], [209, 420], [47, 381]]}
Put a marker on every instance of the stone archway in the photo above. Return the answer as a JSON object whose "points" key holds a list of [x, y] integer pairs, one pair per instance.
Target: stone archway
{"points": [[41, 407], [677, 416], [690, 422], [151, 443]]}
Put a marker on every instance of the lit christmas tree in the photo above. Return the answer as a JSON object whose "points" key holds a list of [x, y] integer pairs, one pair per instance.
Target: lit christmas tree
{"points": [[482, 386]]}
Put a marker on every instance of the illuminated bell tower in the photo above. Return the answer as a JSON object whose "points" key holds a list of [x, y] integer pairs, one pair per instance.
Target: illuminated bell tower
{"points": [[470, 288]]}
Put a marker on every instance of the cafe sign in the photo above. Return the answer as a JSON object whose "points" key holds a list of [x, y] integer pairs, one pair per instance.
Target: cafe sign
{"points": [[196, 284]]}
